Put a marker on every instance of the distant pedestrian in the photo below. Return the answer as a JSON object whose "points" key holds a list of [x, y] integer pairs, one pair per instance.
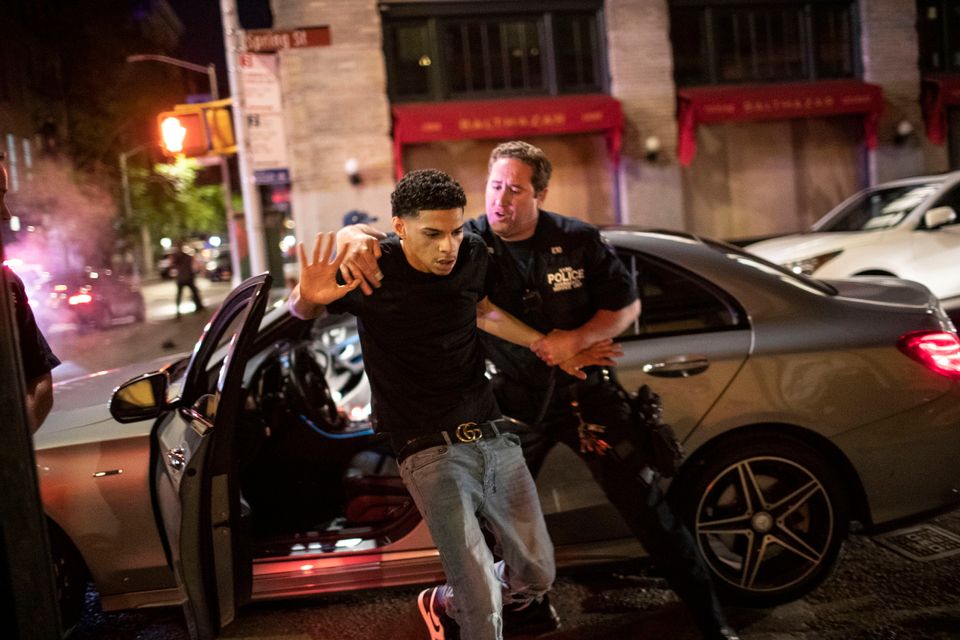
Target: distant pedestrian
{"points": [[184, 263]]}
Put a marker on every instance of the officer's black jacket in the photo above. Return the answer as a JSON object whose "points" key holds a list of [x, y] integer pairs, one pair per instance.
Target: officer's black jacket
{"points": [[572, 275]]}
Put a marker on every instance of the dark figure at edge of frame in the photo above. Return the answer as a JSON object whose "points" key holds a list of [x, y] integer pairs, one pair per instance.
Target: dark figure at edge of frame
{"points": [[423, 355], [556, 274], [35, 354], [186, 277]]}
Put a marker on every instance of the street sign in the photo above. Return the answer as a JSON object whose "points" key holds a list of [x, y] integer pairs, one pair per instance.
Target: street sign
{"points": [[268, 41], [272, 177]]}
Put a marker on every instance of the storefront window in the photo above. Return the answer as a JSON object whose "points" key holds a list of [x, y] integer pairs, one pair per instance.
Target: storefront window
{"points": [[450, 51], [728, 41], [938, 32]]}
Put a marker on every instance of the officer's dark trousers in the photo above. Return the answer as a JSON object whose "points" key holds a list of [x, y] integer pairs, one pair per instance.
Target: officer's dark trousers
{"points": [[643, 507]]}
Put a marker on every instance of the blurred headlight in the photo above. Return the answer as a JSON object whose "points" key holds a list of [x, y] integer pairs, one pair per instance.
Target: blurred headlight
{"points": [[809, 265]]}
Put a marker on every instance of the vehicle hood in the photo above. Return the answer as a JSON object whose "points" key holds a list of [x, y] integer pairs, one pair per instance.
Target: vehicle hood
{"points": [[84, 400], [801, 246]]}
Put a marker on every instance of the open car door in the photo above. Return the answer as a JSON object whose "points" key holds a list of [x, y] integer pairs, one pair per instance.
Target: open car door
{"points": [[195, 472]]}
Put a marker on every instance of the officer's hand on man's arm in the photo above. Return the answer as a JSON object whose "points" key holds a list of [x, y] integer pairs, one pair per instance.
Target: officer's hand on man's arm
{"points": [[39, 400], [559, 345], [359, 244], [318, 284]]}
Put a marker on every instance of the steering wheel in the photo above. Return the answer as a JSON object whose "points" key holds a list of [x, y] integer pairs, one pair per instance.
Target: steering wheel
{"points": [[307, 391]]}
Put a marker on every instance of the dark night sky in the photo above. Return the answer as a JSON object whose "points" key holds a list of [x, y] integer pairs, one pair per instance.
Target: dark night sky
{"points": [[202, 39]]}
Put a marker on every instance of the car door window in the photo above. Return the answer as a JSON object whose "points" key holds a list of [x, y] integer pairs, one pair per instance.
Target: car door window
{"points": [[674, 301], [950, 199]]}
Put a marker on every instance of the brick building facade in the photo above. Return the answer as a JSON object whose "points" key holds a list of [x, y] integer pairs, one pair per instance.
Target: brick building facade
{"points": [[748, 177]]}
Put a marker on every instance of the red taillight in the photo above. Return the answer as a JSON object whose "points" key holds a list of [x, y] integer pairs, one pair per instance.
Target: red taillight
{"points": [[937, 351], [80, 298]]}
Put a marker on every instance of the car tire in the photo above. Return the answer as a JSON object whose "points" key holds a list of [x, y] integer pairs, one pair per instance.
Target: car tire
{"points": [[104, 318], [141, 313], [70, 577], [769, 515]]}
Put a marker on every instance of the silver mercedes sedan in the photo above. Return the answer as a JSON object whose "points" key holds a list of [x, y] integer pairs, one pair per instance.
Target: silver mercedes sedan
{"points": [[248, 469]]}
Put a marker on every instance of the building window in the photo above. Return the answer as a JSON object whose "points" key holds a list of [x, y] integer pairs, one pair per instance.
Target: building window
{"points": [[938, 32], [487, 49], [732, 41]]}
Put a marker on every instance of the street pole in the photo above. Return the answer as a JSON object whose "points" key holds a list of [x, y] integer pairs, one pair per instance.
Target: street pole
{"points": [[211, 71], [145, 239], [227, 190], [248, 186]]}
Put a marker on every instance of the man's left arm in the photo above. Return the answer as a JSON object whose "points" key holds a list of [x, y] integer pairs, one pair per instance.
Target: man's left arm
{"points": [[495, 321]]}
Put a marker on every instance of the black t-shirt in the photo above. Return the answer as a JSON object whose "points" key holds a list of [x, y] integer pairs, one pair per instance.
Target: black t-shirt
{"points": [[421, 347], [571, 274], [37, 357]]}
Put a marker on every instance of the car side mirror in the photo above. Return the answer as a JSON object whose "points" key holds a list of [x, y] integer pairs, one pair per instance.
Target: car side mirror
{"points": [[141, 398], [938, 217]]}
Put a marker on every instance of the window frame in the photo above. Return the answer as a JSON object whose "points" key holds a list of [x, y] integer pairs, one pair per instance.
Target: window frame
{"points": [[437, 15], [725, 299], [807, 42]]}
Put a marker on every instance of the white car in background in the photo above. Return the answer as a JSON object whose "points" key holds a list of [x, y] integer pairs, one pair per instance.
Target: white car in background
{"points": [[906, 228]]}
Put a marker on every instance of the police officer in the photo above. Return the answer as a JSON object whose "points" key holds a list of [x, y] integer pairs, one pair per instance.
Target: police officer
{"points": [[557, 275], [36, 355]]}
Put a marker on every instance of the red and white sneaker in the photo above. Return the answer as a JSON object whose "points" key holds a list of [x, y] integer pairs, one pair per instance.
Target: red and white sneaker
{"points": [[440, 625]]}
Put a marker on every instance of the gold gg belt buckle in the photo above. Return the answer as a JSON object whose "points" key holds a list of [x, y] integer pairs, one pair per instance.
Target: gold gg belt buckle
{"points": [[465, 433]]}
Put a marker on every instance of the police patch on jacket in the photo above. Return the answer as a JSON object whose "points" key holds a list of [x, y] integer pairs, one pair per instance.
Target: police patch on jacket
{"points": [[565, 279]]}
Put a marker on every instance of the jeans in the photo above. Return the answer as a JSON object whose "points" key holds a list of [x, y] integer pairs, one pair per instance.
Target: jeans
{"points": [[461, 489], [643, 506]]}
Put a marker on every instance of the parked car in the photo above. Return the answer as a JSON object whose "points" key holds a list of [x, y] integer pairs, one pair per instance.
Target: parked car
{"points": [[251, 468], [165, 265], [217, 266], [90, 298], [906, 228]]}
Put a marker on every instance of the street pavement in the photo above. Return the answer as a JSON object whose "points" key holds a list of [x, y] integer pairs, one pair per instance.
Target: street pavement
{"points": [[83, 352], [875, 594]]}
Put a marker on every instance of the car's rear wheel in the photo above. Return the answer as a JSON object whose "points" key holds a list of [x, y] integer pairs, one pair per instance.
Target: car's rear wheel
{"points": [[104, 317], [141, 312], [70, 576], [769, 516]]}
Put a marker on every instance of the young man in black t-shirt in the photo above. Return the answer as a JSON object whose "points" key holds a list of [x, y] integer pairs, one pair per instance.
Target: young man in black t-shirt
{"points": [[556, 274], [423, 356]]}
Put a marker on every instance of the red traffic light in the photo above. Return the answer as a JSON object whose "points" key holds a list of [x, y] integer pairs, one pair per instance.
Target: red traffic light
{"points": [[183, 133]]}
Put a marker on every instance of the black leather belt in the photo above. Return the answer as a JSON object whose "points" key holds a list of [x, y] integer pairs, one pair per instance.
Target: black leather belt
{"points": [[463, 433]]}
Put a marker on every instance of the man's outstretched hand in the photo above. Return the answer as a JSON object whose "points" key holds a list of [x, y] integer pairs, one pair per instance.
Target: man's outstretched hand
{"points": [[318, 278]]}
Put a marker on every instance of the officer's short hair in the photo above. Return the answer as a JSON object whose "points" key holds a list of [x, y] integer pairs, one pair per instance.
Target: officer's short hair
{"points": [[426, 189], [529, 155]]}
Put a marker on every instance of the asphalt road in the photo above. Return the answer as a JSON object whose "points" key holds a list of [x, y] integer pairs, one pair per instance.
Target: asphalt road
{"points": [[875, 594]]}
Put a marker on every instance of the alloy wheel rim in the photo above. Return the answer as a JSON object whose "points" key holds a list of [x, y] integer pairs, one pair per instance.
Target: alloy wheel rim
{"points": [[765, 524]]}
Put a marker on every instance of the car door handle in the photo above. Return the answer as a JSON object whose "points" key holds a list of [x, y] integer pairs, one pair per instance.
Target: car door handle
{"points": [[677, 368]]}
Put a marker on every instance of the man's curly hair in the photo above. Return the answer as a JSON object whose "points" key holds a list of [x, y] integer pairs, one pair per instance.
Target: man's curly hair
{"points": [[426, 189]]}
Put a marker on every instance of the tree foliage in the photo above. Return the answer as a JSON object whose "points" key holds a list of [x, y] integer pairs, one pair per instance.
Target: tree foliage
{"points": [[171, 203]]}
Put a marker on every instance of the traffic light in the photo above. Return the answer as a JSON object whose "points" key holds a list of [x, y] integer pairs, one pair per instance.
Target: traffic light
{"points": [[183, 132], [197, 129]]}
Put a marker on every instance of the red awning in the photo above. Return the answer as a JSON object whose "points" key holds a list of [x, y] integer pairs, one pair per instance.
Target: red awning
{"points": [[937, 93], [703, 105], [515, 118]]}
